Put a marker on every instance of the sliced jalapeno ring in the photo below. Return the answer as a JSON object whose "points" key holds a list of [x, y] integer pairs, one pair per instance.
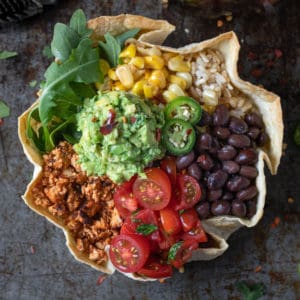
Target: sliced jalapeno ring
{"points": [[184, 108], [178, 136]]}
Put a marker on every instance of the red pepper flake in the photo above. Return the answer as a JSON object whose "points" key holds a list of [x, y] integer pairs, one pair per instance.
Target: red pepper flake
{"points": [[278, 53], [251, 55], [101, 278], [275, 222], [256, 73], [32, 249], [258, 269]]}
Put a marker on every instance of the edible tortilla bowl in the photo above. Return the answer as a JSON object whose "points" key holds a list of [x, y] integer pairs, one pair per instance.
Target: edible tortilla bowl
{"points": [[268, 104]]}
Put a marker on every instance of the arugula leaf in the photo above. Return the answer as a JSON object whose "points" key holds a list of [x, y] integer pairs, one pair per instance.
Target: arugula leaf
{"points": [[123, 37], [146, 229], [253, 292], [111, 49], [7, 54], [47, 52], [173, 250], [4, 110], [78, 23]]}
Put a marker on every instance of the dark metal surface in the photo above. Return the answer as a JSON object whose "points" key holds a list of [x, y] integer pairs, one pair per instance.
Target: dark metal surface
{"points": [[34, 261]]}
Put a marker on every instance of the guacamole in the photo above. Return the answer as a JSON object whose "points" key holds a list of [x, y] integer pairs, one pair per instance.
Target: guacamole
{"points": [[119, 135]]}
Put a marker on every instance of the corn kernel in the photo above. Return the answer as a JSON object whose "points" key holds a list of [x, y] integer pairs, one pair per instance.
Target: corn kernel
{"points": [[178, 80], [167, 55], [168, 96], [165, 71], [138, 61], [176, 89], [104, 66], [112, 74], [154, 62], [177, 64], [149, 51], [129, 51], [125, 76], [209, 108], [138, 88], [210, 97], [158, 79], [148, 90], [147, 74], [118, 86], [187, 77]]}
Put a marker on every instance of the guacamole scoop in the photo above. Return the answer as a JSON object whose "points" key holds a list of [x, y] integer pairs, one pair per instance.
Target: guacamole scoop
{"points": [[119, 135]]}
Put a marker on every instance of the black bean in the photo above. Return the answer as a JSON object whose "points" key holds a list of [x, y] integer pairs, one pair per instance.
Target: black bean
{"points": [[216, 180], [215, 146], [227, 152], [237, 183], [203, 209], [227, 196], [238, 208], [204, 142], [205, 119], [253, 119], [221, 132], [253, 132], [217, 166], [230, 166], [251, 208], [221, 115], [219, 208], [195, 171], [205, 162], [213, 195], [247, 157], [239, 141], [237, 125], [247, 193], [184, 161], [262, 139], [204, 192], [248, 171]]}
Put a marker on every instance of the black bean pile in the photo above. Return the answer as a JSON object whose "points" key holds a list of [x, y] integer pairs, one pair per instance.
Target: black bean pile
{"points": [[223, 161]]}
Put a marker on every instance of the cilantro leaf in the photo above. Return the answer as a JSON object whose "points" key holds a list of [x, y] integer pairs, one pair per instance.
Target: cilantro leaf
{"points": [[123, 37], [111, 49], [78, 23], [7, 54], [4, 110], [146, 229], [253, 292], [47, 52], [173, 250]]}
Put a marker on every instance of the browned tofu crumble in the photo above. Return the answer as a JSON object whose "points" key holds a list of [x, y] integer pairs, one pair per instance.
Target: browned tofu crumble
{"points": [[84, 203]]}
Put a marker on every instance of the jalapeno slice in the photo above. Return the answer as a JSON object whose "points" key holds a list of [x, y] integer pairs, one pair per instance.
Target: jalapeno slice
{"points": [[184, 108], [178, 136]]}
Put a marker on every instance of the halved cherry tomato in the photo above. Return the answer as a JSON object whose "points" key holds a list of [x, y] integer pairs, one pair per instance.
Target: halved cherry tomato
{"points": [[189, 191], [189, 219], [170, 221], [168, 164], [167, 240], [128, 253], [155, 191], [124, 200], [196, 234], [183, 253], [156, 268]]}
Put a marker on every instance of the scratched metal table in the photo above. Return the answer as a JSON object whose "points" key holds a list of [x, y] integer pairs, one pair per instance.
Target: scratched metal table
{"points": [[34, 261]]}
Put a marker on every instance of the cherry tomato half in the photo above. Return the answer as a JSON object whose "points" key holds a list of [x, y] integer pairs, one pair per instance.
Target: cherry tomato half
{"points": [[189, 191], [170, 221], [168, 164], [128, 253], [124, 200], [189, 219], [155, 191], [196, 234], [156, 268]]}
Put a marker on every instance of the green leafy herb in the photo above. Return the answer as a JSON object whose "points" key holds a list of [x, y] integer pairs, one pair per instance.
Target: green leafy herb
{"points": [[7, 54], [32, 83], [297, 135], [78, 23], [123, 37], [146, 229], [47, 52], [4, 110], [173, 250], [252, 292]]}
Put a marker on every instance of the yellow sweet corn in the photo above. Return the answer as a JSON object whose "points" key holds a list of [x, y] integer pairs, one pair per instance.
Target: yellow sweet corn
{"points": [[187, 77], [112, 74], [177, 64], [118, 86], [129, 51], [157, 78], [154, 62], [148, 92], [104, 66], [138, 87], [149, 51], [125, 76], [178, 80], [167, 55], [176, 89], [168, 96]]}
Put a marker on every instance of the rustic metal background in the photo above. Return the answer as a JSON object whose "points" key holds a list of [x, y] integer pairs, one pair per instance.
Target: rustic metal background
{"points": [[34, 261]]}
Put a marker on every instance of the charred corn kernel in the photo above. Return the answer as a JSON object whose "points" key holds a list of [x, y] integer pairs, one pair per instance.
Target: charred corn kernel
{"points": [[104, 66], [118, 86], [168, 96], [176, 89], [167, 55], [125, 76], [148, 90], [154, 62], [138, 61], [129, 51], [112, 74], [149, 51], [158, 79], [138, 87], [187, 77], [178, 80], [177, 64]]}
